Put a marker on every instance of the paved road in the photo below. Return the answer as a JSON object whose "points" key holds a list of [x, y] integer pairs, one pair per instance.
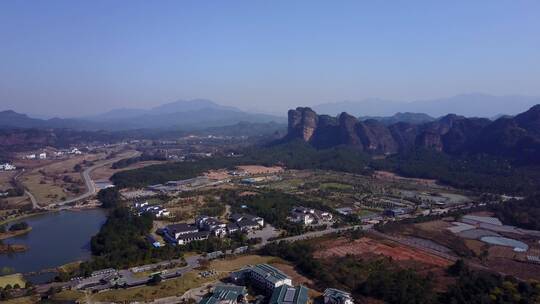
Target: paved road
{"points": [[89, 183], [32, 198]]}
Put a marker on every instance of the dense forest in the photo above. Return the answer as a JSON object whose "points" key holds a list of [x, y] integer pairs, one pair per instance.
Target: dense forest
{"points": [[479, 172], [126, 162], [294, 155], [121, 243], [521, 213]]}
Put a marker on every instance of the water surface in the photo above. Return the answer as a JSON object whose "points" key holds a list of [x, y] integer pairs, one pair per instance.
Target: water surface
{"points": [[56, 239]]}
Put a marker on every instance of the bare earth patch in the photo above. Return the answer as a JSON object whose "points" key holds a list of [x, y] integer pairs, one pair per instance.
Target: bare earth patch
{"points": [[389, 176], [260, 169], [368, 246]]}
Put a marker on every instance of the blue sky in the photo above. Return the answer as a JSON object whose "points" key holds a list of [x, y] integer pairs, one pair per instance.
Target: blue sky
{"points": [[70, 58]]}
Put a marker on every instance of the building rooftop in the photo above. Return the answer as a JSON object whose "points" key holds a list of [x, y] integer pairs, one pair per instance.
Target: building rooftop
{"points": [[181, 228], [336, 293], [246, 223], [226, 293], [193, 235], [270, 273], [285, 294]]}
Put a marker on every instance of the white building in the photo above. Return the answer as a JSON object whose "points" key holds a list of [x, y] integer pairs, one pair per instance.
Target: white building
{"points": [[30, 156], [75, 151], [237, 217], [308, 216], [263, 276], [211, 224], [7, 167], [182, 234], [43, 155]]}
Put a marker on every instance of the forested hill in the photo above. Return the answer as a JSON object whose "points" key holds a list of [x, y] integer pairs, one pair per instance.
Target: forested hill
{"points": [[479, 172]]}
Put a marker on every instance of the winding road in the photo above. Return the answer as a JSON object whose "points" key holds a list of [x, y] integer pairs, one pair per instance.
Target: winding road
{"points": [[89, 184]]}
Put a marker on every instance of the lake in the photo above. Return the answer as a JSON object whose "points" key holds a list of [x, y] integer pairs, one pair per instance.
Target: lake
{"points": [[56, 238]]}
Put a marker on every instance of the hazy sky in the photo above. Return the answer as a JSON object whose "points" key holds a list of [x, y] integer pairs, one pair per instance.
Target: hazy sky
{"points": [[71, 58]]}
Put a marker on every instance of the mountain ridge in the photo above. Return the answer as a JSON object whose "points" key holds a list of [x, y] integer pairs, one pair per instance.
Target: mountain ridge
{"points": [[515, 137], [189, 115], [470, 105]]}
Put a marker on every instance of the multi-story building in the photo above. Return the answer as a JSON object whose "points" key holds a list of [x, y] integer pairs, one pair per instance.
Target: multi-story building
{"points": [[176, 230], [285, 294], [226, 294], [262, 276], [308, 216], [211, 224], [237, 217]]}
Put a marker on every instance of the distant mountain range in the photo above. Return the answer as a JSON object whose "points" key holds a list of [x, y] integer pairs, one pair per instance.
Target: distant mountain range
{"points": [[412, 118], [469, 105], [186, 115], [517, 137]]}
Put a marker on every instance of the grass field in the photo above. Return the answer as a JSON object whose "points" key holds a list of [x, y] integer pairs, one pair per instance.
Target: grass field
{"points": [[23, 300], [174, 287], [12, 279], [70, 267], [231, 264], [5, 179], [105, 172], [68, 295], [335, 186]]}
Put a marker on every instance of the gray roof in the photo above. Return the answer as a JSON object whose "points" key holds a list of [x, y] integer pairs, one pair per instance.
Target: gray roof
{"points": [[243, 216], [236, 216], [272, 274], [247, 223], [224, 292], [285, 294], [180, 228], [193, 235], [336, 293], [232, 226]]}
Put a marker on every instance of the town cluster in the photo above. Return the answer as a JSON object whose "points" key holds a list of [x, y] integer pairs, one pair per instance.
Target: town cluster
{"points": [[205, 226], [55, 154], [309, 216]]}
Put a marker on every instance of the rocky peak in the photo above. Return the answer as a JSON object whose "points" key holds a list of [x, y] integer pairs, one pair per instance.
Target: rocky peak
{"points": [[302, 123]]}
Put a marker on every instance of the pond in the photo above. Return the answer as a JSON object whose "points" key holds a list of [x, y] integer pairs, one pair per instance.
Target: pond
{"points": [[55, 239]]}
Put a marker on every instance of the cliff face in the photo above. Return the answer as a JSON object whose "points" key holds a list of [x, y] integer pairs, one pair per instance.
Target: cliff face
{"points": [[451, 134], [302, 123]]}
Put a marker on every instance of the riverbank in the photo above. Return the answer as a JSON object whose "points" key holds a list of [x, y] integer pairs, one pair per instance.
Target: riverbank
{"points": [[12, 280], [12, 248], [23, 216], [10, 234]]}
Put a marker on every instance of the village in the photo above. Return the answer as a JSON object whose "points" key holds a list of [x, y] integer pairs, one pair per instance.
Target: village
{"points": [[192, 211]]}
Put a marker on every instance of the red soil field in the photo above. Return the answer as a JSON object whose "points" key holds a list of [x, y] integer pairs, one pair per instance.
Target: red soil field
{"points": [[368, 246]]}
